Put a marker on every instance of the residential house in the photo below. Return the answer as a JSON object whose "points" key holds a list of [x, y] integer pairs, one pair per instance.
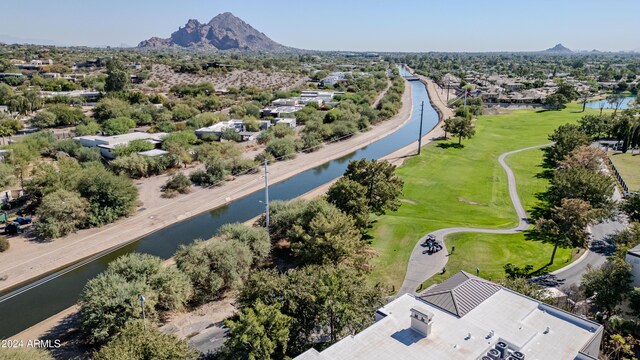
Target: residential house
{"points": [[107, 144]]}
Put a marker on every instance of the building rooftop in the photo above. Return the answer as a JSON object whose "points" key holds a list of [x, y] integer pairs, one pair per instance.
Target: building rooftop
{"points": [[111, 141], [488, 316]]}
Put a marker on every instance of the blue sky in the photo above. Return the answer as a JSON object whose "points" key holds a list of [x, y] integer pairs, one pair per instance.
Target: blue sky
{"points": [[375, 25]]}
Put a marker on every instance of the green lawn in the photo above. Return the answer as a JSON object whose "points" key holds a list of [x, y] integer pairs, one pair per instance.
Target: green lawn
{"points": [[447, 187], [628, 166]]}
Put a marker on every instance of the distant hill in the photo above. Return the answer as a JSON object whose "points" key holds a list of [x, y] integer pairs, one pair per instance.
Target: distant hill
{"points": [[558, 49], [223, 32]]}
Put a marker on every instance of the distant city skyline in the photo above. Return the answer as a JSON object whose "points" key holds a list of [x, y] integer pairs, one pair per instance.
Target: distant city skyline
{"points": [[374, 25]]}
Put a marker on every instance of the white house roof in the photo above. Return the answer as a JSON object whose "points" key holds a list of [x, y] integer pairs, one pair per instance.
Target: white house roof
{"points": [[536, 329]]}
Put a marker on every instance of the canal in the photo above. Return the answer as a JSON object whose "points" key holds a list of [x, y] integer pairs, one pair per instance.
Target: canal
{"points": [[27, 306]]}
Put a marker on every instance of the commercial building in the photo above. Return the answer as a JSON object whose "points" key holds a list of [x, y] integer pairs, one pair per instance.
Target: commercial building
{"points": [[469, 318]]}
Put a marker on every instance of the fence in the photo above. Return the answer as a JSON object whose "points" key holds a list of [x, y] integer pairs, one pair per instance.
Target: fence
{"points": [[623, 185]]}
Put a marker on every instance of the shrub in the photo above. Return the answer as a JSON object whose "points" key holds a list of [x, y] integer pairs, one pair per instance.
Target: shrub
{"points": [[4, 244], [282, 149], [215, 265], [178, 182], [61, 212]]}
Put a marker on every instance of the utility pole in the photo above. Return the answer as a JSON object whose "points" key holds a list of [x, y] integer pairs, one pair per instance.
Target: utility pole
{"points": [[144, 321], [420, 133], [448, 87], [266, 194]]}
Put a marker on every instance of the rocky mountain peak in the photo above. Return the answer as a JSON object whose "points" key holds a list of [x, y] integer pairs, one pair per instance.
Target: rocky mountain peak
{"points": [[224, 32]]}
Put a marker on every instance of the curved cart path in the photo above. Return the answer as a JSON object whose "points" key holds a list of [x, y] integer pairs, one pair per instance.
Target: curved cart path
{"points": [[422, 266]]}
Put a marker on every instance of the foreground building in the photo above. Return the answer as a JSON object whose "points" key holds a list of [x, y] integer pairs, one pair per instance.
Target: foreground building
{"points": [[469, 318]]}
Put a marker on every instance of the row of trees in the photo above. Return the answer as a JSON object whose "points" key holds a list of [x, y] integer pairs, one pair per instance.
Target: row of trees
{"points": [[580, 192]]}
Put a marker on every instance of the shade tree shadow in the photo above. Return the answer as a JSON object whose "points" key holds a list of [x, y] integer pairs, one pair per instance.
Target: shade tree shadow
{"points": [[450, 145]]}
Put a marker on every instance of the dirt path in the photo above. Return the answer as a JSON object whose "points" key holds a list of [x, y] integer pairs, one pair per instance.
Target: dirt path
{"points": [[27, 259]]}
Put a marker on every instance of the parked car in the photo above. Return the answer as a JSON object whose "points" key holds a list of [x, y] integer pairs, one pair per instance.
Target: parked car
{"points": [[22, 220]]}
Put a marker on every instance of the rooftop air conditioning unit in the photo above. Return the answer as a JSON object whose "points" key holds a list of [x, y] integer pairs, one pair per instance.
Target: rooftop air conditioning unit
{"points": [[485, 358], [494, 354], [518, 355], [502, 347]]}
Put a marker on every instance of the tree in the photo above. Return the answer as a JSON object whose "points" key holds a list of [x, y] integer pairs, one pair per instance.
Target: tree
{"points": [[172, 287], [568, 91], [134, 146], [65, 114], [44, 119], [60, 212], [350, 197], [258, 332], [567, 137], [555, 101], [595, 125], [383, 186], [7, 177], [585, 157], [134, 166], [594, 187], [110, 196], [634, 301], [111, 108], [118, 78], [20, 158], [230, 134], [89, 128], [524, 287], [256, 238], [282, 149], [9, 126], [135, 342], [566, 225], [330, 238], [609, 284], [460, 127], [615, 101], [631, 207], [109, 301], [117, 126], [214, 266], [321, 300]]}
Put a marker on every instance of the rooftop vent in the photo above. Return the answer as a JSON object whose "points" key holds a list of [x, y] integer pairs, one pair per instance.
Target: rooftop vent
{"points": [[502, 347], [421, 321], [493, 354], [517, 355]]}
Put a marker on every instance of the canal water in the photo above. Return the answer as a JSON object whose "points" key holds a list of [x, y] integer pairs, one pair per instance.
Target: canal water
{"points": [[45, 297], [626, 103]]}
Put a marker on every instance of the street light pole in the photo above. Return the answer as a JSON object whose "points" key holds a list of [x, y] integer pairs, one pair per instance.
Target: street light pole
{"points": [[420, 133], [266, 194], [144, 321]]}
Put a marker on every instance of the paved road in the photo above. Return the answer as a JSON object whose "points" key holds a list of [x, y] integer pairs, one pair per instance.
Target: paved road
{"points": [[600, 247], [422, 266]]}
